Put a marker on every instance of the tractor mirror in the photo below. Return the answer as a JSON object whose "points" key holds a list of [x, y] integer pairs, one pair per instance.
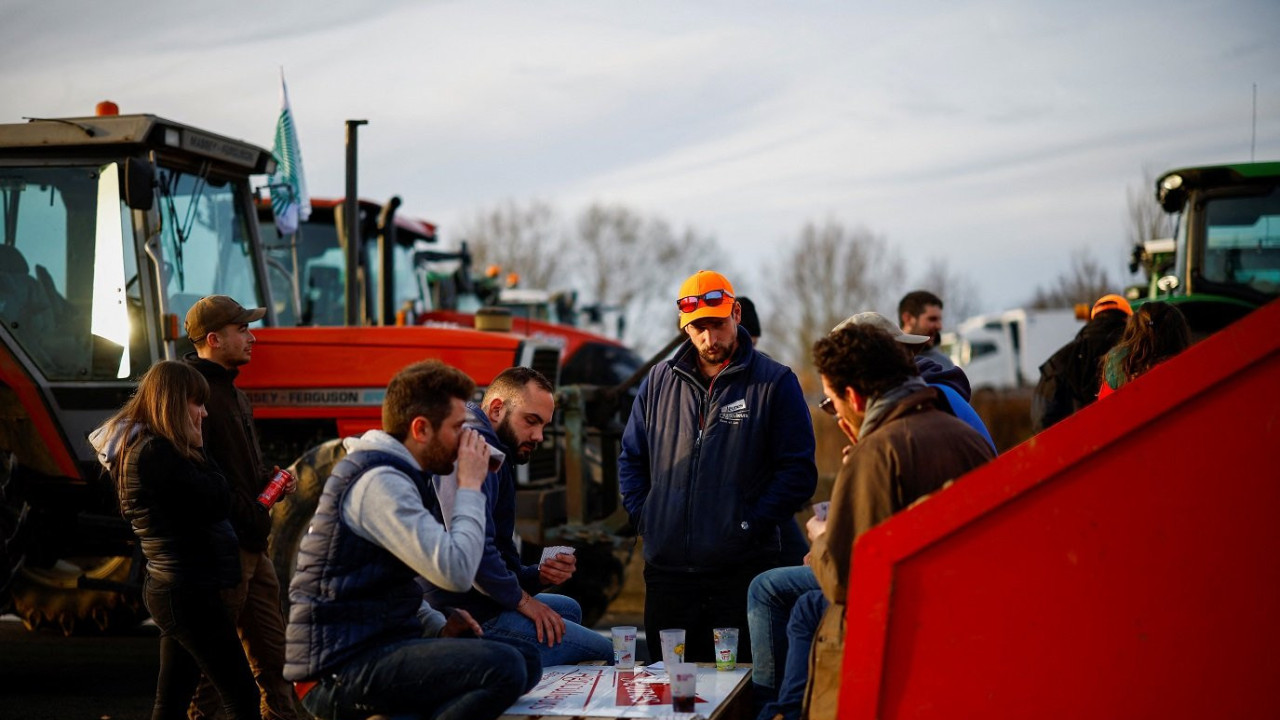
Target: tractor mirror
{"points": [[138, 186]]}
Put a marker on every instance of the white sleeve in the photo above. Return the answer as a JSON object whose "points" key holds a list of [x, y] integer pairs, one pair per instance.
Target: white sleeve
{"points": [[432, 620], [384, 507]]}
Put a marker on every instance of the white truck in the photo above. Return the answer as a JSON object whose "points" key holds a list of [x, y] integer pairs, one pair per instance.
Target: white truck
{"points": [[1005, 350]]}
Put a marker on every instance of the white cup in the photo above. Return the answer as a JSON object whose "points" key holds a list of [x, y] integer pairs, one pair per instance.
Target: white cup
{"points": [[672, 646], [624, 647]]}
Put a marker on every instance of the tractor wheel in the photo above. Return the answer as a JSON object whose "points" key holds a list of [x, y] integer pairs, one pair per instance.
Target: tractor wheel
{"points": [[52, 596], [292, 515], [13, 521]]}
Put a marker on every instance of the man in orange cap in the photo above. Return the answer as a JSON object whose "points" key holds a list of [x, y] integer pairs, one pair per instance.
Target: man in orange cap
{"points": [[1069, 378], [718, 452]]}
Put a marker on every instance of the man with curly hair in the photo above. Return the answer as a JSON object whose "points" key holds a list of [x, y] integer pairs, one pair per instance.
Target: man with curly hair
{"points": [[904, 447]]}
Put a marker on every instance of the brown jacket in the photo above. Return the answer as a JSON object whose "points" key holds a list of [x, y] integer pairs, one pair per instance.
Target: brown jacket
{"points": [[913, 451]]}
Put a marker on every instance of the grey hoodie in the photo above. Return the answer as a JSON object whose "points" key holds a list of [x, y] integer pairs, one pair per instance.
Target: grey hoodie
{"points": [[384, 507], [108, 443]]}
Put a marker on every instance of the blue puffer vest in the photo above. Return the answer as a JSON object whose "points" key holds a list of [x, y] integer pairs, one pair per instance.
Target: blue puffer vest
{"points": [[349, 595]]}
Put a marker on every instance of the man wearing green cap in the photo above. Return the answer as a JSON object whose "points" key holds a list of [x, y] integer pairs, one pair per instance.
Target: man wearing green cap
{"points": [[718, 452]]}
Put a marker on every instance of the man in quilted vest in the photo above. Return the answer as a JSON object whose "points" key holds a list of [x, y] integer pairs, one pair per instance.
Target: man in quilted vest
{"points": [[361, 640]]}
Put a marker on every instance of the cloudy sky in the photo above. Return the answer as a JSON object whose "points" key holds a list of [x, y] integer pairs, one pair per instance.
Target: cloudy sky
{"points": [[1000, 135]]}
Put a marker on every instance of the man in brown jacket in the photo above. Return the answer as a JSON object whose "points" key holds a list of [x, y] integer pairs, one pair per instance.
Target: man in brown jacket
{"points": [[904, 447], [219, 328]]}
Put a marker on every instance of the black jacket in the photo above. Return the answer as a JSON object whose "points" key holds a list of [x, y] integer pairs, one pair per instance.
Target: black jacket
{"points": [[1069, 378], [179, 512], [230, 440]]}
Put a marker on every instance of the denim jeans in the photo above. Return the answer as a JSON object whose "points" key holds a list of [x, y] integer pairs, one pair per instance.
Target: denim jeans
{"points": [[438, 678], [770, 598], [197, 636], [578, 645], [806, 616]]}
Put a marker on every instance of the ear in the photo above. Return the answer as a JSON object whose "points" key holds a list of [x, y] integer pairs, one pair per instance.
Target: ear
{"points": [[856, 401], [494, 411], [212, 340], [420, 430], [737, 312]]}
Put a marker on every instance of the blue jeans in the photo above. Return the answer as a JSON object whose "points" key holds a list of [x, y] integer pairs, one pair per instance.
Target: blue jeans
{"points": [[578, 645], [438, 678], [803, 625], [769, 601]]}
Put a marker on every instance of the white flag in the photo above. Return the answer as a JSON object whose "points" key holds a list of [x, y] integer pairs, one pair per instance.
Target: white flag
{"points": [[289, 199]]}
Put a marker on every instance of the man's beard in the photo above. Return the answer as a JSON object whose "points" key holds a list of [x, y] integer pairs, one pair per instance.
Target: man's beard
{"points": [[517, 453], [438, 458], [717, 354], [935, 339]]}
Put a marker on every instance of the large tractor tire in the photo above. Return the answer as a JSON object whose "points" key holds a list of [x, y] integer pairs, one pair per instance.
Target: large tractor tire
{"points": [[53, 597], [292, 515]]}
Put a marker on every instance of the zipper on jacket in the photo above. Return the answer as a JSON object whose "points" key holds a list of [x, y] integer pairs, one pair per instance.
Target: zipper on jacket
{"points": [[703, 413]]}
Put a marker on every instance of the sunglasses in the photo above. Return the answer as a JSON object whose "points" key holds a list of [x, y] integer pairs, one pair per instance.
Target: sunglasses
{"points": [[827, 406], [711, 298]]}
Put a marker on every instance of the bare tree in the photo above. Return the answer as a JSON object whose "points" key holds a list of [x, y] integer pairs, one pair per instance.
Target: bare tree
{"points": [[827, 275], [1147, 220], [959, 293], [527, 240], [624, 259], [1084, 282]]}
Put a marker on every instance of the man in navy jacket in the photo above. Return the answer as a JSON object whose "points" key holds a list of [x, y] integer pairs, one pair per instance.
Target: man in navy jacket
{"points": [[506, 597], [717, 452]]}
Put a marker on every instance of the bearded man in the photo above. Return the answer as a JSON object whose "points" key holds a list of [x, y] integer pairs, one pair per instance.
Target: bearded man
{"points": [[717, 453], [361, 640], [506, 597]]}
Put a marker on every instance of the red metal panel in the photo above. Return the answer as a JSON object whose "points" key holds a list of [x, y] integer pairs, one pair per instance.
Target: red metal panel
{"points": [[1124, 563], [331, 357]]}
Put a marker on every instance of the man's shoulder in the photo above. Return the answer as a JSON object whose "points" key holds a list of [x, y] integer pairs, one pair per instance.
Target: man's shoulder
{"points": [[763, 368]]}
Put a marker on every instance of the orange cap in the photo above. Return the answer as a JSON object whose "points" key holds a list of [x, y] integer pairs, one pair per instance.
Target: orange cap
{"points": [[1111, 302], [699, 284]]}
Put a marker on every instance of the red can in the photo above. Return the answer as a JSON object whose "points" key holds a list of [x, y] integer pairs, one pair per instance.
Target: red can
{"points": [[275, 488]]}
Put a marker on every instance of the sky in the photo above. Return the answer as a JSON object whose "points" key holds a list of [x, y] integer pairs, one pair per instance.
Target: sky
{"points": [[1001, 136]]}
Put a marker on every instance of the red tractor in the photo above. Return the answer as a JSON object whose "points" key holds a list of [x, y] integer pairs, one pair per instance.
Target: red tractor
{"points": [[113, 226]]}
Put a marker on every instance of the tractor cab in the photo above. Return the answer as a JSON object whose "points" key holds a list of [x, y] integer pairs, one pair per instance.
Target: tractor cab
{"points": [[1226, 250]]}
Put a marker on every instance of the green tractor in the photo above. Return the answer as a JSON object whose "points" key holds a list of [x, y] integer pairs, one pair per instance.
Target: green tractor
{"points": [[1224, 259]]}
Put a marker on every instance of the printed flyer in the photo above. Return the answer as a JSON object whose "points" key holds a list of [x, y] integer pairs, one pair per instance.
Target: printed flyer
{"points": [[601, 691]]}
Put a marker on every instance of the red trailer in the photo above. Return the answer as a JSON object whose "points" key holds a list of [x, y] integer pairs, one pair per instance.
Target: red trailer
{"points": [[1123, 563]]}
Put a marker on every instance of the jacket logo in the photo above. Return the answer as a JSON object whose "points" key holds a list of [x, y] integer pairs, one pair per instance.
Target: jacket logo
{"points": [[734, 413]]}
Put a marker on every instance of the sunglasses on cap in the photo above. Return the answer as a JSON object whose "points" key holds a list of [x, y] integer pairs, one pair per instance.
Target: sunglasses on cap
{"points": [[827, 406], [711, 298]]}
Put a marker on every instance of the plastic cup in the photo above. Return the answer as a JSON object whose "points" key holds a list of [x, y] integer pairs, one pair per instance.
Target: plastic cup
{"points": [[624, 647], [726, 648], [672, 646], [684, 686]]}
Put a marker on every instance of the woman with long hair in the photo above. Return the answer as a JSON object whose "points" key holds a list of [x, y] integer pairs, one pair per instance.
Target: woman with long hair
{"points": [[178, 505], [1154, 333]]}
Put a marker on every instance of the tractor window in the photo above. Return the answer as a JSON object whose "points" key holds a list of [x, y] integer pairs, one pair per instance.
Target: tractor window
{"points": [[63, 266], [404, 280], [205, 241], [1243, 241]]}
